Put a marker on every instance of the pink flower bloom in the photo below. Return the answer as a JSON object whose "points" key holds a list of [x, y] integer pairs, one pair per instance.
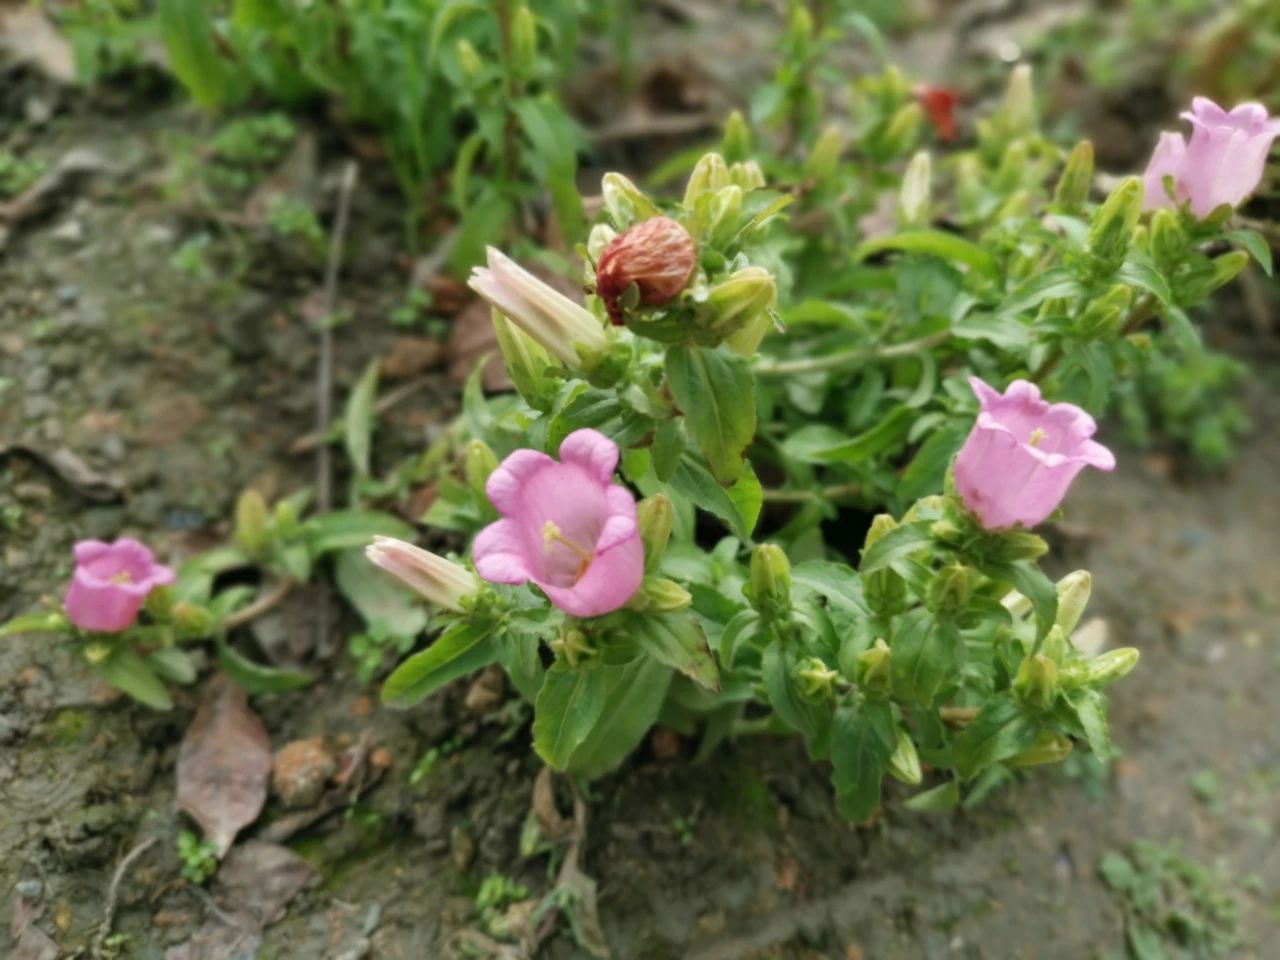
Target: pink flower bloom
{"points": [[1022, 454], [440, 581], [565, 525], [110, 582], [1222, 163]]}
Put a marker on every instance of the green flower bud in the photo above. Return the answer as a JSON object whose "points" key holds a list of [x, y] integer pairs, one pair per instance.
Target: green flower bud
{"points": [[1013, 167], [1112, 232], [481, 462], [1169, 242], [951, 589], [885, 590], [1107, 313], [625, 202], [824, 159], [913, 199], [192, 620], [815, 679], [873, 671], [1073, 597], [252, 523], [573, 646], [284, 520], [709, 176], [1076, 181], [660, 595], [735, 144], [770, 584], [469, 60], [654, 518], [598, 240], [904, 765], [1018, 109], [1019, 545], [726, 211], [96, 652], [747, 175], [1037, 681], [1049, 747], [524, 358], [1225, 268], [1055, 644], [524, 42], [739, 308], [903, 131], [1109, 667], [881, 524]]}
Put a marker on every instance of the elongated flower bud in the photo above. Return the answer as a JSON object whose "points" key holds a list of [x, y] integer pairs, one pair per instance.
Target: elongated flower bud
{"points": [[913, 199], [874, 671], [1109, 667], [740, 308], [1037, 681], [440, 581], [1073, 597], [1113, 227], [566, 329], [904, 765], [657, 255], [654, 517], [770, 580], [1077, 179], [1049, 747], [709, 176]]}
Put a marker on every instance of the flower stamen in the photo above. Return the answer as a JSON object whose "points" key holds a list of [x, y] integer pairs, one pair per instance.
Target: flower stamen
{"points": [[551, 535], [1037, 435]]}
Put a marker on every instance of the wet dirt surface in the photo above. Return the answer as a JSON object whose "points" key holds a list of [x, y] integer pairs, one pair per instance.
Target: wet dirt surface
{"points": [[188, 389]]}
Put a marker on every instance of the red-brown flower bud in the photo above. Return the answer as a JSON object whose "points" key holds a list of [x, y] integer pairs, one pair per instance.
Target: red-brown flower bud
{"points": [[657, 255], [940, 104]]}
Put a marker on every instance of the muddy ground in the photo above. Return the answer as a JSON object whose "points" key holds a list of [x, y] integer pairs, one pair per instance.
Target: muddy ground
{"points": [[179, 387]]}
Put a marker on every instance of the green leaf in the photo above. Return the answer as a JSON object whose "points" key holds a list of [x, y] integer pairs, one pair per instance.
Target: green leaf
{"points": [[347, 529], [885, 434], [668, 445], [1090, 708], [839, 584], [1254, 244], [173, 665], [567, 707], [935, 800], [1056, 284], [811, 719], [715, 390], [45, 621], [518, 652], [186, 26], [937, 243], [999, 731], [896, 545], [255, 677], [1146, 277], [748, 497], [926, 654], [859, 757], [634, 697], [377, 597], [928, 470], [463, 648], [677, 640], [692, 481], [358, 419], [127, 671], [1030, 581]]}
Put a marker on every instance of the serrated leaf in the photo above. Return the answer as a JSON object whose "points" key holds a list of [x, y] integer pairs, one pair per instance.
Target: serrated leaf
{"points": [[936, 799], [928, 469], [1255, 245], [896, 545], [668, 445], [1030, 581], [811, 719], [926, 654], [1000, 730], [859, 757], [693, 482], [633, 700], [43, 621], [127, 671]]}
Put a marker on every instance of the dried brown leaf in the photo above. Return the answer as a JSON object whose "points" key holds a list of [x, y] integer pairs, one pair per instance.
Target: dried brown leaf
{"points": [[224, 765], [28, 36]]}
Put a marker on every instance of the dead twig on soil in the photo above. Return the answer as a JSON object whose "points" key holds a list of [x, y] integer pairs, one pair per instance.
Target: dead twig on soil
{"points": [[113, 894], [324, 375]]}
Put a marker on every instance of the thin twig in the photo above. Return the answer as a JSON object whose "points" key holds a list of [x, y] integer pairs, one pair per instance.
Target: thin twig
{"points": [[851, 358], [324, 376], [263, 604], [113, 894], [655, 125]]}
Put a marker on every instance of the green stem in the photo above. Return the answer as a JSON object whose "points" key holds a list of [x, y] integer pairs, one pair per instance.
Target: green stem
{"points": [[770, 725], [837, 492], [1142, 311], [852, 358]]}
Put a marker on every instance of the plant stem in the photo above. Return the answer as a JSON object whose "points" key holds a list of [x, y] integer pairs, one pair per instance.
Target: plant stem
{"points": [[264, 604], [836, 492], [768, 726], [852, 358], [1142, 311]]}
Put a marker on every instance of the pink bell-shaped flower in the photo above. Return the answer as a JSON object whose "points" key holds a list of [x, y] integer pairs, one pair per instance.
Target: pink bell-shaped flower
{"points": [[566, 526], [110, 582], [1019, 460]]}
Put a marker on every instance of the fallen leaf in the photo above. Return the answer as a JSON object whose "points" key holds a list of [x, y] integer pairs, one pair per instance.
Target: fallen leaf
{"points": [[34, 944], [27, 36], [257, 881], [411, 357], [77, 474], [224, 764]]}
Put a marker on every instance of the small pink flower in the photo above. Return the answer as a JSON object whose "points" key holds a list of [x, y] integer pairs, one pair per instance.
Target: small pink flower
{"points": [[1022, 454], [440, 581], [566, 526], [110, 582], [1222, 163]]}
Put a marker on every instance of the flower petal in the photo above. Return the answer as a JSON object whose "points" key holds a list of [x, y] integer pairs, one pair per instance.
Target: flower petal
{"points": [[501, 553], [593, 451], [504, 486], [609, 582], [621, 518]]}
